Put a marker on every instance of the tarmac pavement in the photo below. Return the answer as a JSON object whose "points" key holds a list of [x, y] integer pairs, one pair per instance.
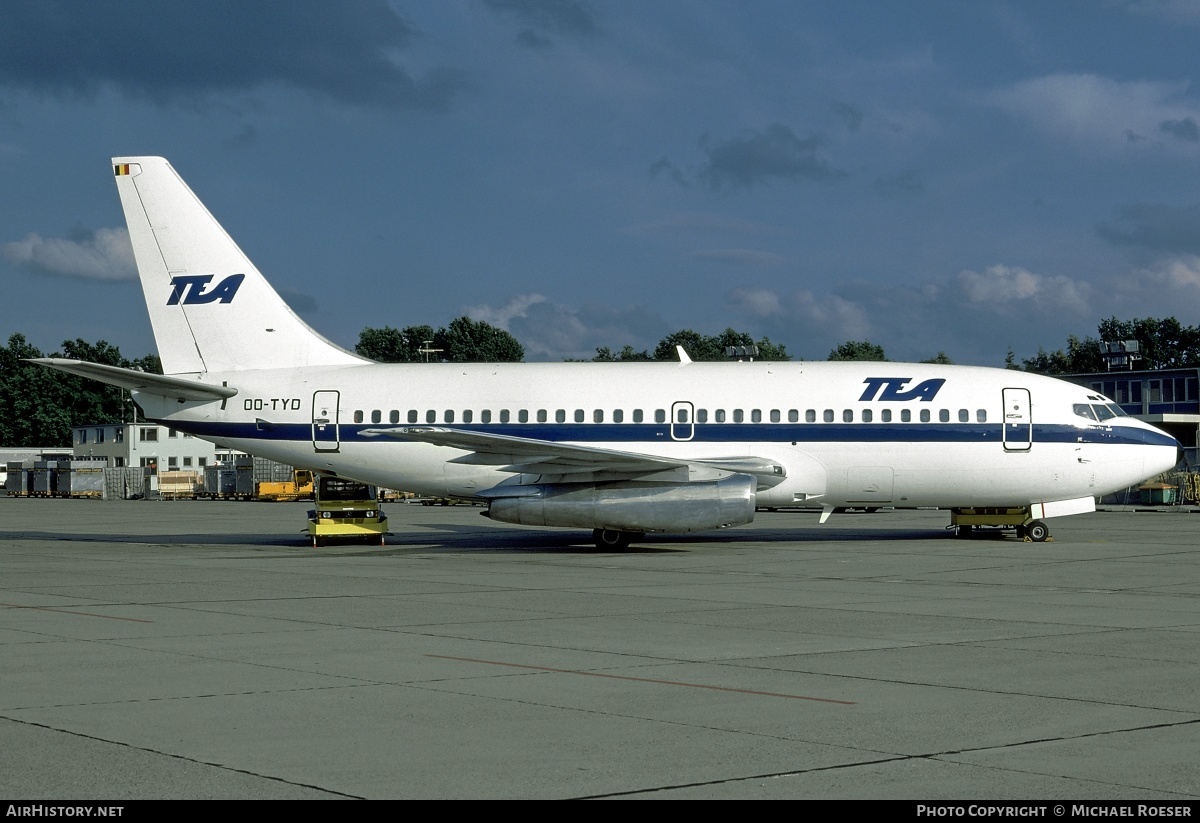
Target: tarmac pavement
{"points": [[199, 649]]}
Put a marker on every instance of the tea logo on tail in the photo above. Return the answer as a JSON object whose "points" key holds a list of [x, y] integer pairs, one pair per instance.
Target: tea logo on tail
{"points": [[893, 389], [190, 289]]}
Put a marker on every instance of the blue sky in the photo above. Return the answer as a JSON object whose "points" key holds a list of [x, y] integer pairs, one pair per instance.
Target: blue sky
{"points": [[931, 176]]}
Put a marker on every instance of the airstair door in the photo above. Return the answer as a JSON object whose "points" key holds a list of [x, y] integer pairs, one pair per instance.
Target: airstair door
{"points": [[325, 435], [1017, 420]]}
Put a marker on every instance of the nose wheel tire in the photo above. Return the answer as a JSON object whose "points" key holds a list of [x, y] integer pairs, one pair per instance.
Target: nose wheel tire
{"points": [[613, 540], [1037, 532]]}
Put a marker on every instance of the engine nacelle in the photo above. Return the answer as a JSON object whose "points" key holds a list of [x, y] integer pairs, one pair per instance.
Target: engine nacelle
{"points": [[628, 505]]}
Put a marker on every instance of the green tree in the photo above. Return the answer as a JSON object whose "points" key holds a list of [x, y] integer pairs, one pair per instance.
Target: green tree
{"points": [[858, 350], [463, 341], [474, 341], [38, 405], [626, 355], [1080, 356], [388, 345], [701, 347], [940, 358], [1164, 343]]}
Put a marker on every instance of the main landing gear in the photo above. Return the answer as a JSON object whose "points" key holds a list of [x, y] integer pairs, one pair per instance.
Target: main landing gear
{"points": [[614, 540], [969, 522]]}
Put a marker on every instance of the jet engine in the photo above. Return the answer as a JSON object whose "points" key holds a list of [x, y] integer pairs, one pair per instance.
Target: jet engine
{"points": [[630, 506]]}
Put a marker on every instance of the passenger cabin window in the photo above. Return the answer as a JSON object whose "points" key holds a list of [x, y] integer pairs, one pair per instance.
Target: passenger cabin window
{"points": [[485, 416], [810, 416], [376, 416], [981, 415], [598, 415], [793, 415], [660, 416], [523, 416], [412, 415], [924, 415], [867, 415], [394, 416], [541, 417], [885, 415], [579, 415], [906, 415], [847, 415], [828, 415], [719, 415], [618, 416], [468, 415], [964, 416], [756, 415], [738, 416], [430, 416], [449, 418], [701, 415], [504, 415], [944, 415], [637, 415]]}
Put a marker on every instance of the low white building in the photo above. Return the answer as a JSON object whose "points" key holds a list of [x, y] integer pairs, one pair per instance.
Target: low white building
{"points": [[144, 444]]}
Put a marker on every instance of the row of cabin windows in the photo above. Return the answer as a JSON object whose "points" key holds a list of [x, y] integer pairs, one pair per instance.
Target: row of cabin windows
{"points": [[683, 415]]}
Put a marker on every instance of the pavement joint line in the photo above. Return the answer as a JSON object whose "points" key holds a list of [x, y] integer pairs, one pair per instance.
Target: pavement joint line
{"points": [[656, 681]]}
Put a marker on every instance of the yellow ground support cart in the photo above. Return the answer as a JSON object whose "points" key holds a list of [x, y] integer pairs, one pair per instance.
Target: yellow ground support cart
{"points": [[346, 510], [300, 487]]}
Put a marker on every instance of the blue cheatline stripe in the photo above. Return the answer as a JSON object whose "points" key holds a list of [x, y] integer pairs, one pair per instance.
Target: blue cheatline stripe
{"points": [[716, 433]]}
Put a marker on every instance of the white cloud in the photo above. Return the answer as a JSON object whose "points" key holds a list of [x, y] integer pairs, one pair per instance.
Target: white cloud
{"points": [[517, 306], [106, 254], [1002, 286], [1102, 113], [550, 331]]}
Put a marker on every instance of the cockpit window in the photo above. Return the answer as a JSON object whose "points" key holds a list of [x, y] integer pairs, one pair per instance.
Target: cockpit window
{"points": [[1117, 410], [1084, 410], [1103, 412]]}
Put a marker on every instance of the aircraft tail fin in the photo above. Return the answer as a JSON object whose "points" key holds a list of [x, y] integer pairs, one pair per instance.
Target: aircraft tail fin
{"points": [[210, 308]]}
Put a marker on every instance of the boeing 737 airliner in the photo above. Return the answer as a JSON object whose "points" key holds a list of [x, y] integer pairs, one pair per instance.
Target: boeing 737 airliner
{"points": [[623, 449]]}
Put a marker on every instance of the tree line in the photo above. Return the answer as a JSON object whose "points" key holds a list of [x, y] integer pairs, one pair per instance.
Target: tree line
{"points": [[38, 406]]}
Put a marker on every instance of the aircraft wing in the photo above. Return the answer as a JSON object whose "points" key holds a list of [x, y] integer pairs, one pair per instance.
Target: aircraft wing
{"points": [[527, 455], [181, 388]]}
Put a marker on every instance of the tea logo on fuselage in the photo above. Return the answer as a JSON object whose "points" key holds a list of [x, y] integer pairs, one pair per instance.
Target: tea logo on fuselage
{"points": [[893, 389], [189, 289]]}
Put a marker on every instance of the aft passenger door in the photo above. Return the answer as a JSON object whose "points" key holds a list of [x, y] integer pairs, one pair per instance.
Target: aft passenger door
{"points": [[1017, 420], [325, 435]]}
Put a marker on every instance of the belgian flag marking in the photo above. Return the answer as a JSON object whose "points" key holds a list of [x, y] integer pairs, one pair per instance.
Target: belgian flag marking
{"points": [[121, 169]]}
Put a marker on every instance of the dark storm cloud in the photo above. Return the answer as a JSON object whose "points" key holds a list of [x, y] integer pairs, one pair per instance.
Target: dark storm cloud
{"points": [[1184, 129], [1158, 228], [900, 184], [848, 114], [776, 153], [300, 302], [167, 49], [569, 17]]}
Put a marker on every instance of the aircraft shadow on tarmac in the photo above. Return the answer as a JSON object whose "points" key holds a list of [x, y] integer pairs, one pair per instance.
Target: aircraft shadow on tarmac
{"points": [[455, 538]]}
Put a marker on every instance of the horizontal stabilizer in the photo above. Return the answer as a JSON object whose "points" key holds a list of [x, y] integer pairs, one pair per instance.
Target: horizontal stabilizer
{"points": [[176, 388]]}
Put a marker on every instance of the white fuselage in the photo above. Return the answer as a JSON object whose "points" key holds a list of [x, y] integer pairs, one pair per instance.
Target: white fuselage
{"points": [[847, 434]]}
